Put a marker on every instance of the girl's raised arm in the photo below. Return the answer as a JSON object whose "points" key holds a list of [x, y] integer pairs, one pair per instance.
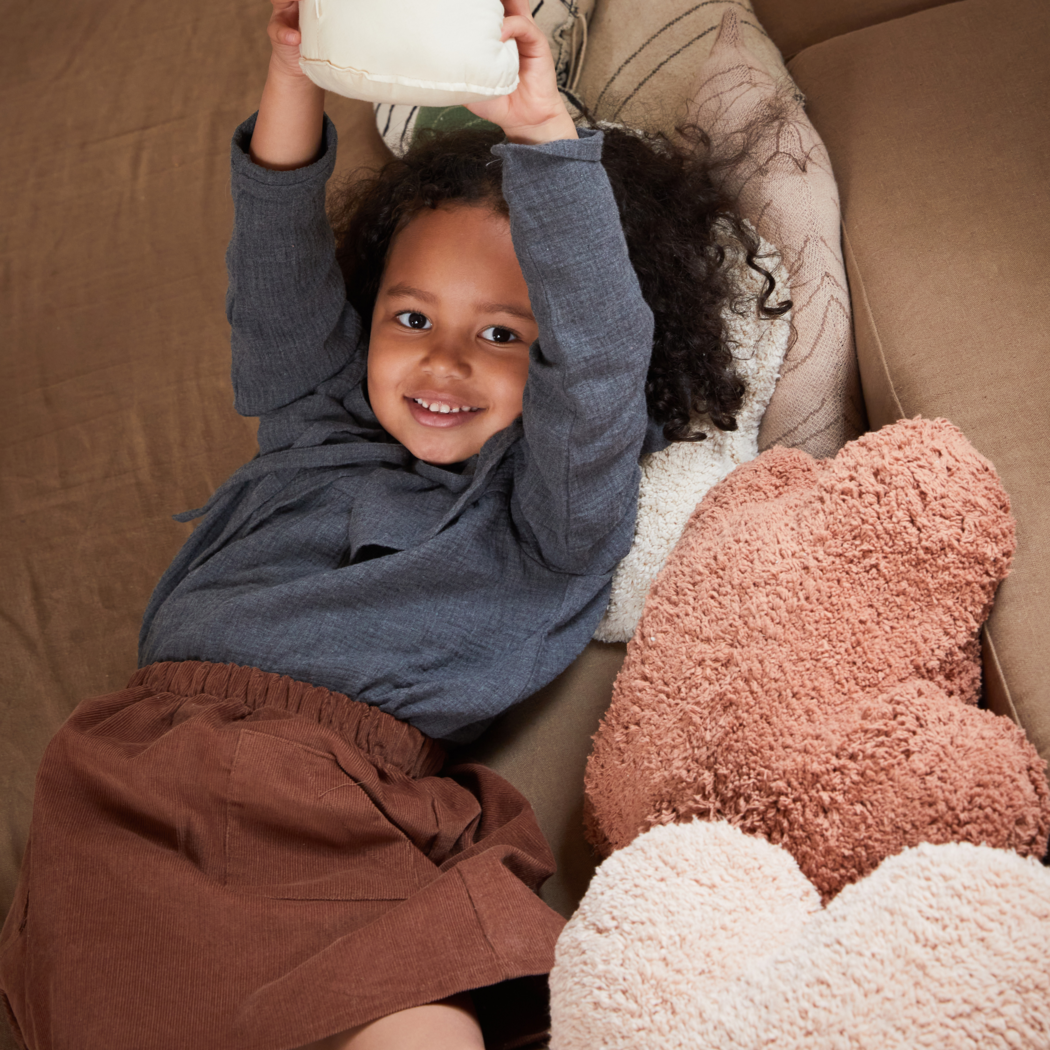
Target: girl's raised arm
{"points": [[535, 111], [292, 327], [288, 130]]}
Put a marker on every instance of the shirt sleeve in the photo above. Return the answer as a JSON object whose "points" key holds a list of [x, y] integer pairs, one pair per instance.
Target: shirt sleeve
{"points": [[584, 415], [292, 327]]}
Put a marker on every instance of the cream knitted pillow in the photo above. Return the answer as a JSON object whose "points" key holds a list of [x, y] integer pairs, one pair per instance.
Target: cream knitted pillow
{"points": [[676, 479], [415, 51]]}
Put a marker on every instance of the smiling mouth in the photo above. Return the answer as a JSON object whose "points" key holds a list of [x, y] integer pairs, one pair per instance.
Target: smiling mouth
{"points": [[442, 414], [443, 407]]}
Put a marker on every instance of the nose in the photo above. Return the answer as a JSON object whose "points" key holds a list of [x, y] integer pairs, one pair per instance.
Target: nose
{"points": [[448, 358]]}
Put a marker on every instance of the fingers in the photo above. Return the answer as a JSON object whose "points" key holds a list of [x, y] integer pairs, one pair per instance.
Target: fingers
{"points": [[285, 38], [531, 42], [535, 111], [283, 27], [282, 36]]}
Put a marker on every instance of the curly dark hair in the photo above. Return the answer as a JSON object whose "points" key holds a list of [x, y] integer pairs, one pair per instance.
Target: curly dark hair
{"points": [[676, 223]]}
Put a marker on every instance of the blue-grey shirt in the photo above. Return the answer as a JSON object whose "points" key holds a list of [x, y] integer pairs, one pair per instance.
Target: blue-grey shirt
{"points": [[336, 557]]}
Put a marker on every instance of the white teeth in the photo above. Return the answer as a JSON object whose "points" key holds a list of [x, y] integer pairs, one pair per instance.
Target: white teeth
{"points": [[442, 407]]}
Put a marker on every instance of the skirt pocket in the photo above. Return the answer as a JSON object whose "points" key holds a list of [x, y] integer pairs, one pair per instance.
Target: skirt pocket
{"points": [[302, 823]]}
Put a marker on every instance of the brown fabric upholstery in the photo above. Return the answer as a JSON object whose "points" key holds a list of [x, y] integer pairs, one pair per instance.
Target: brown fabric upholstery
{"points": [[541, 747], [797, 24], [936, 129], [114, 348], [115, 363]]}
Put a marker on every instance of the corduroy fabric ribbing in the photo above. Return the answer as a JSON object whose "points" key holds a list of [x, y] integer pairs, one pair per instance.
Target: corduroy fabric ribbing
{"points": [[222, 857]]}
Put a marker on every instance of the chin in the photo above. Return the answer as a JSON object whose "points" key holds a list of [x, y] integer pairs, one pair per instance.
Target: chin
{"points": [[441, 456]]}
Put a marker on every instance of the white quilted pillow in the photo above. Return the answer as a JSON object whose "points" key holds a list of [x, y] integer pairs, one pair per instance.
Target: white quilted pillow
{"points": [[676, 479], [420, 52]]}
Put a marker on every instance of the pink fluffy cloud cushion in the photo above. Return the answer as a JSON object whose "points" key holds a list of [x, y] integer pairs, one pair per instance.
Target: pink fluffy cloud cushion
{"points": [[807, 665]]}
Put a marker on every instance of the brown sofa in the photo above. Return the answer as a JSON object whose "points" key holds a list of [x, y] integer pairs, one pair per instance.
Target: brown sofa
{"points": [[116, 213]]}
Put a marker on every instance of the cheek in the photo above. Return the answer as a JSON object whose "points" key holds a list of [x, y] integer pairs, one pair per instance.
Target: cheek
{"points": [[381, 370], [512, 385]]}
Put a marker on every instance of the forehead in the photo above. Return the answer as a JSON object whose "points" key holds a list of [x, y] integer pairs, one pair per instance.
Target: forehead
{"points": [[455, 245]]}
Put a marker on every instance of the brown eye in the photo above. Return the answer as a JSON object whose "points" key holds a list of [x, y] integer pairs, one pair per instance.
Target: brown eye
{"points": [[495, 334], [412, 319]]}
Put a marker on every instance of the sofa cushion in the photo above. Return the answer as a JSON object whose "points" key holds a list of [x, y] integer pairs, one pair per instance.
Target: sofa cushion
{"points": [[541, 747], [797, 24], [935, 126], [115, 365], [665, 70]]}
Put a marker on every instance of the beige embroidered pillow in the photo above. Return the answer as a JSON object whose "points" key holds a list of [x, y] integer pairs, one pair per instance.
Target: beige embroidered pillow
{"points": [[781, 177], [642, 57]]}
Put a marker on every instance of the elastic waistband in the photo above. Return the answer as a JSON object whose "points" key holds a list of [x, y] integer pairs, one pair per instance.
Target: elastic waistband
{"points": [[382, 736]]}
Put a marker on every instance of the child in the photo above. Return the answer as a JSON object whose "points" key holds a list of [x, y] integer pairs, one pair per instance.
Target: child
{"points": [[258, 844]]}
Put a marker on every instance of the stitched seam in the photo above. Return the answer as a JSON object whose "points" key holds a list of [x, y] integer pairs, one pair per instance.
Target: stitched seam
{"points": [[994, 657], [861, 292]]}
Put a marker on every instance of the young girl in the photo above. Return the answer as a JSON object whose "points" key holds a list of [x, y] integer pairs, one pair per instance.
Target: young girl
{"points": [[258, 843]]}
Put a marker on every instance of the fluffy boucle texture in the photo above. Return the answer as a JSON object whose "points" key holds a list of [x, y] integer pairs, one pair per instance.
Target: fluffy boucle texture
{"points": [[697, 936], [675, 479], [806, 661]]}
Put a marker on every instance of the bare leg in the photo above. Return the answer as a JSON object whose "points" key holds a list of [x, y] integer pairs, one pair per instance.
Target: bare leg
{"points": [[448, 1025], [360, 144]]}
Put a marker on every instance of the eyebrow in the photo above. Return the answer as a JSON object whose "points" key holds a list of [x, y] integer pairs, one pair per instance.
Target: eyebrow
{"points": [[506, 308], [408, 291]]}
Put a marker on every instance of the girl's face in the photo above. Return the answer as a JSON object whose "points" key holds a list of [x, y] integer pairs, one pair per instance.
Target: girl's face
{"points": [[451, 330]]}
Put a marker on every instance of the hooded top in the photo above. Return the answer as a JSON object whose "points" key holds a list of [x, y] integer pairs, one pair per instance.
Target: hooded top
{"points": [[443, 596]]}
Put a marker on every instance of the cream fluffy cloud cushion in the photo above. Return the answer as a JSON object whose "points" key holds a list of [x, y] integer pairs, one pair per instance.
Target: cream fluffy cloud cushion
{"points": [[408, 51], [698, 936], [677, 478]]}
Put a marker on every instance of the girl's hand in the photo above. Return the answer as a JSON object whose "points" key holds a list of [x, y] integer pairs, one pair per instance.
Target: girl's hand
{"points": [[283, 30], [291, 114], [534, 112]]}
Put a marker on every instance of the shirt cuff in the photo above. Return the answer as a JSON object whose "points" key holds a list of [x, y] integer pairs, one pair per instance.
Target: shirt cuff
{"points": [[588, 147], [245, 170]]}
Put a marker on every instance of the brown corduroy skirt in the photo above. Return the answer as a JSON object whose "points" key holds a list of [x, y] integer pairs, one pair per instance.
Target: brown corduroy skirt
{"points": [[223, 858]]}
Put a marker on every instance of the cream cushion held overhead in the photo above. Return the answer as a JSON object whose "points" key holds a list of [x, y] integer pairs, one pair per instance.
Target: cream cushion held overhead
{"points": [[420, 52]]}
